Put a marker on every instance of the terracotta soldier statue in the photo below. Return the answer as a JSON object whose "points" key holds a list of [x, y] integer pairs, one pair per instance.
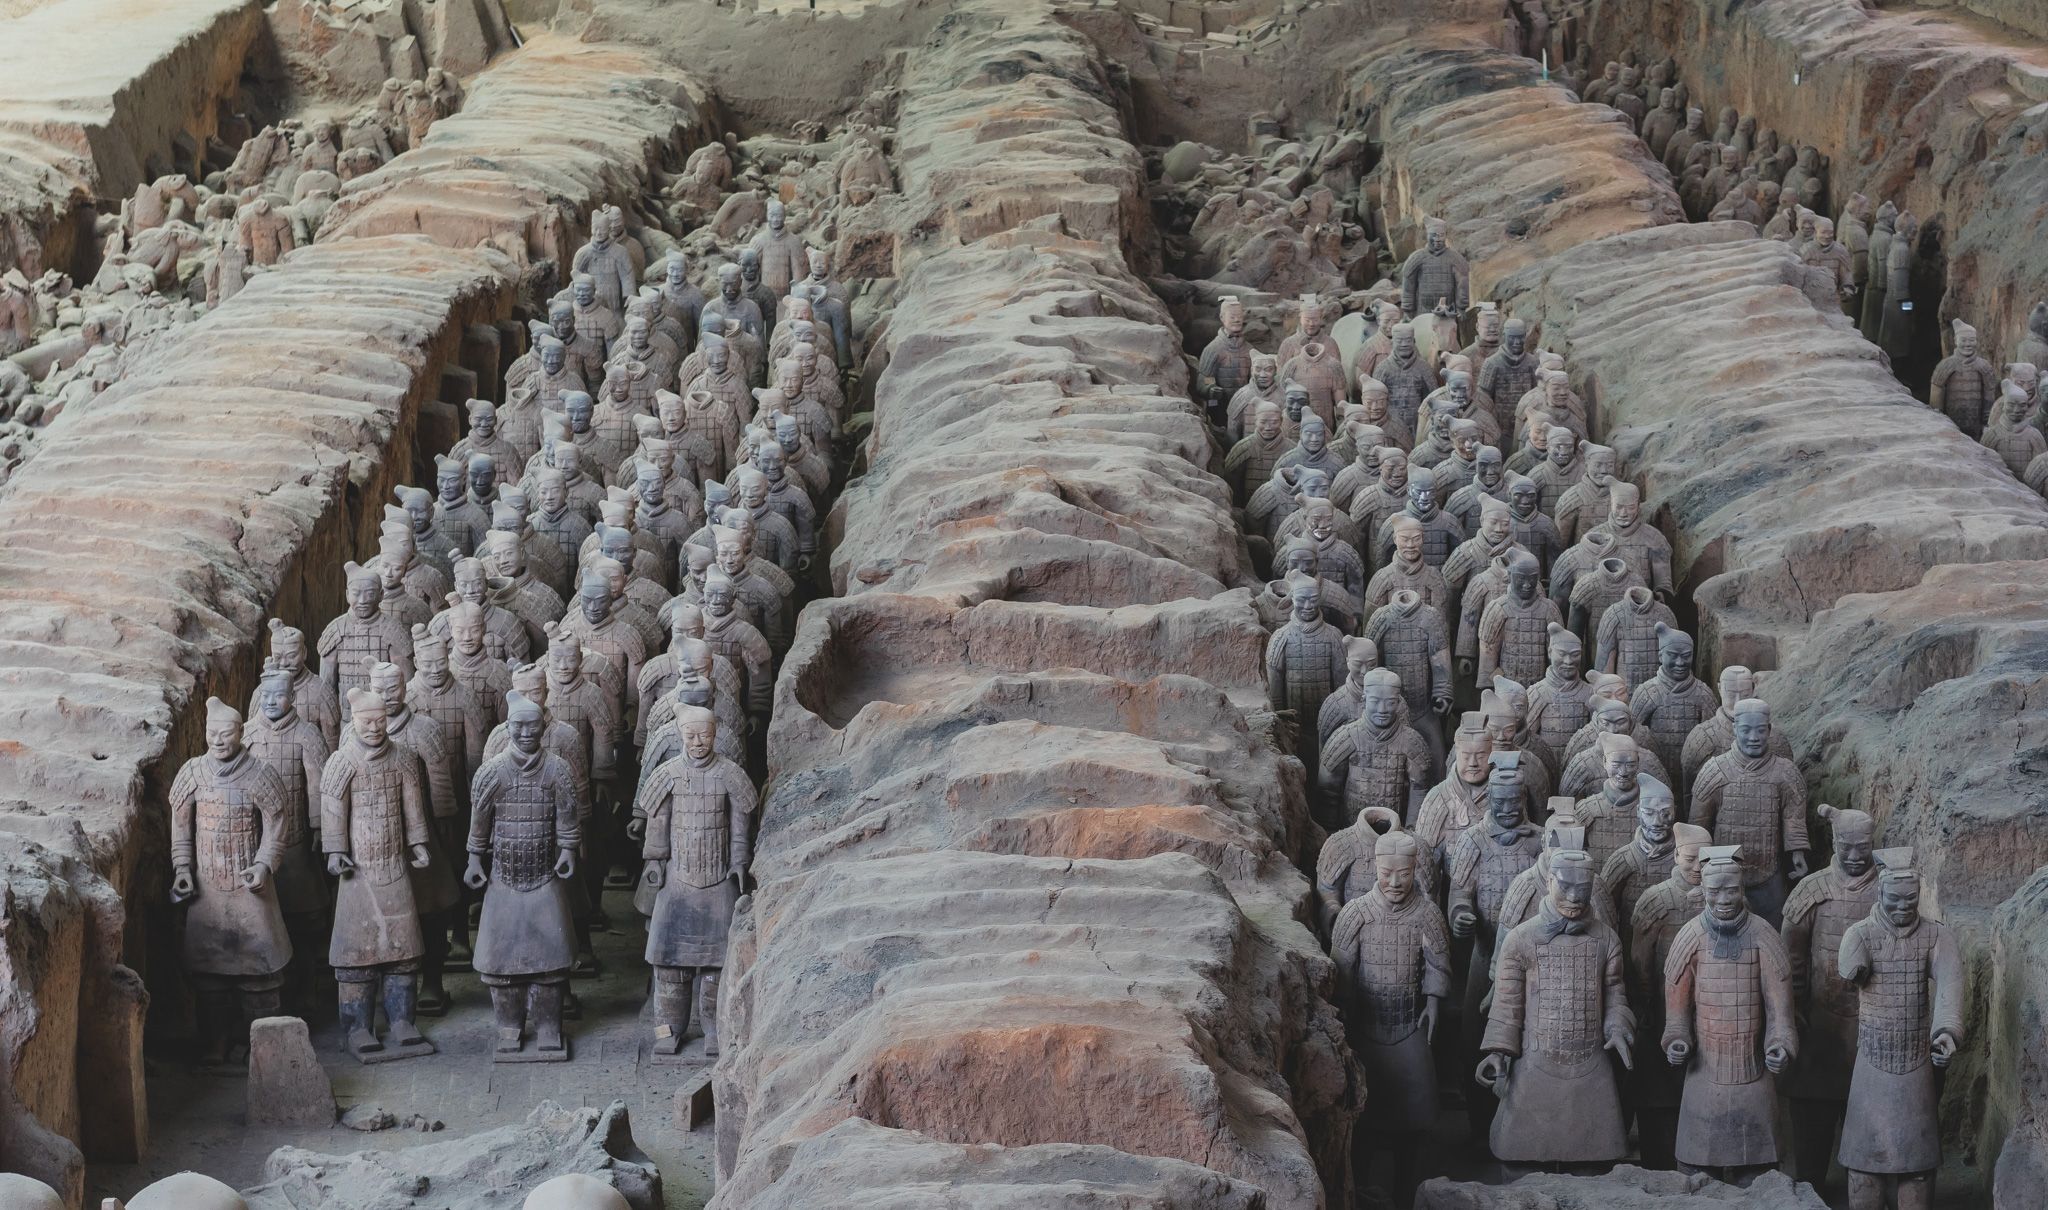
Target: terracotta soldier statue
{"points": [[699, 809], [524, 822], [2011, 434], [1374, 504], [1728, 996], [1481, 862], [1392, 951], [1716, 733], [365, 632], [1656, 1086], [1458, 801], [228, 837], [1304, 663], [294, 748], [1509, 374], [1440, 534], [1408, 568], [1906, 1031], [1514, 633], [1751, 797], [1413, 644], [1644, 861], [729, 633], [1558, 1007], [1347, 701], [1609, 816], [1226, 365], [1625, 641], [1562, 701], [1598, 588], [1320, 371], [311, 695], [1964, 383], [1375, 761], [1584, 766], [1672, 703], [373, 827], [1435, 272], [437, 898], [1817, 916], [783, 257], [1534, 531], [1408, 377], [1895, 310], [1492, 538], [605, 261], [1251, 462], [1489, 481], [1263, 386], [1344, 866], [1585, 504], [1644, 547]]}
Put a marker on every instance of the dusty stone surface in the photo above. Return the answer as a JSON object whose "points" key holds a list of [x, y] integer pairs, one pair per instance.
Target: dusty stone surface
{"points": [[1761, 459], [2013, 1138], [1513, 166], [546, 134], [862, 1166], [1027, 718], [1626, 1188], [487, 1170], [1933, 109], [86, 116], [286, 1083]]}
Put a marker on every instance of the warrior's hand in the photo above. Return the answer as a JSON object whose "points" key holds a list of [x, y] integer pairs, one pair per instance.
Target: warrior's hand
{"points": [[565, 865], [1463, 920], [1775, 1057], [653, 875], [1621, 1042], [421, 858], [182, 884], [1943, 1048], [1441, 705], [1798, 863], [339, 865], [1677, 1051], [1496, 1069], [636, 828], [1429, 1015], [474, 877], [256, 877]]}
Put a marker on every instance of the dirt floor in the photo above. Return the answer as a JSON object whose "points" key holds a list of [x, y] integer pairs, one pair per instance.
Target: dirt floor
{"points": [[198, 1119]]}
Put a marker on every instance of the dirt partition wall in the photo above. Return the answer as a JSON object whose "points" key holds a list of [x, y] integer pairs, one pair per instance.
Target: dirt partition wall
{"points": [[1027, 859]]}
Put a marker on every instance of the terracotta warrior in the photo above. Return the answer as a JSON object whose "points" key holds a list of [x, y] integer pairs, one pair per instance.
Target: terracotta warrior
{"points": [[1375, 761], [1895, 322], [2012, 434], [1226, 365], [1514, 633], [1320, 371], [437, 898], [1408, 569], [1585, 503], [1304, 663], [1750, 797], [1392, 949], [524, 823], [1509, 374], [1375, 348], [1347, 701], [1435, 272], [1672, 703], [699, 809], [1344, 865], [1964, 383], [1493, 538], [1716, 733], [1646, 860], [1626, 637], [311, 695], [606, 262], [1609, 815], [1906, 1032], [280, 736], [1533, 530], [1817, 916], [1558, 1007], [1458, 801], [1264, 386], [2033, 347], [1728, 997], [229, 813], [365, 632], [1489, 481], [1413, 643], [1381, 499], [374, 829], [1408, 377], [1562, 701], [1251, 462], [1440, 534], [1584, 765], [1482, 861], [783, 258], [1599, 588], [1656, 1087]]}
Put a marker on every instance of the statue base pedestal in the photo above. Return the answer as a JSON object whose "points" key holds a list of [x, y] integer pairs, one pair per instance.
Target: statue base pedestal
{"points": [[530, 1052], [391, 1053]]}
